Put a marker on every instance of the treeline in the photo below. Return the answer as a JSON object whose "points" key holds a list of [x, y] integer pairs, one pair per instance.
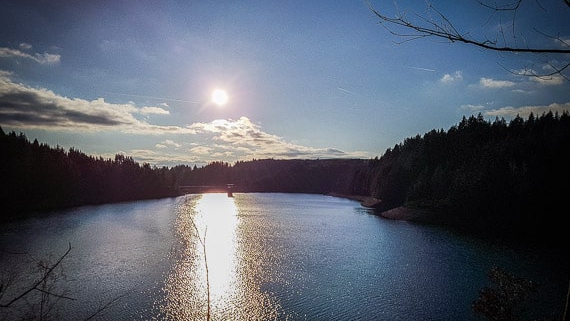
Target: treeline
{"points": [[510, 177], [36, 177], [507, 177], [270, 175]]}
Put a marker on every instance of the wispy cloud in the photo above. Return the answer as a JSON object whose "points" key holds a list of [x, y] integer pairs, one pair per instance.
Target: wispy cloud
{"points": [[472, 108], [231, 140], [152, 97], [449, 78], [548, 80], [524, 111], [168, 143], [548, 77], [153, 110], [201, 150], [41, 58], [492, 83], [24, 107]]}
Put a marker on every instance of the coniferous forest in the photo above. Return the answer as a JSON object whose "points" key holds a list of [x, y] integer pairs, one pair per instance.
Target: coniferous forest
{"points": [[494, 176]]}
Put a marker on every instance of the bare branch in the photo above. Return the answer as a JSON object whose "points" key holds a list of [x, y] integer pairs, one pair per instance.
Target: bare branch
{"points": [[104, 307], [446, 30], [203, 243], [435, 24], [60, 296], [36, 286]]}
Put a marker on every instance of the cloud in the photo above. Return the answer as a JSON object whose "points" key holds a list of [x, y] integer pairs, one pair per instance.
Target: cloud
{"points": [[25, 46], [552, 80], [153, 110], [171, 143], [25, 107], [549, 80], [449, 78], [491, 83], [168, 143], [472, 108], [524, 111], [563, 41], [246, 140], [551, 77], [160, 157], [201, 150], [45, 58]]}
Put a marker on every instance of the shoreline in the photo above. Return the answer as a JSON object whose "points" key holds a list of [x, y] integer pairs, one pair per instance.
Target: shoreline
{"points": [[366, 201], [401, 213]]}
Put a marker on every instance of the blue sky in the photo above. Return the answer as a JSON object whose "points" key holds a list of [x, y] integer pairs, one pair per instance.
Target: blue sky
{"points": [[305, 79]]}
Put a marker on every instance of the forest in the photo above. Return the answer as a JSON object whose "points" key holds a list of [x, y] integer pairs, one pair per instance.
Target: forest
{"points": [[493, 176]]}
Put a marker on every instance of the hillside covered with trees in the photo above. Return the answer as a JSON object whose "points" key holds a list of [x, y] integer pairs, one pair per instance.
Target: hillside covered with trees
{"points": [[507, 177], [485, 176], [37, 177]]}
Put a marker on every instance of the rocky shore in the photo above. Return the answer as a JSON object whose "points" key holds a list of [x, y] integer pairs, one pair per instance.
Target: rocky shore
{"points": [[366, 201], [401, 213]]}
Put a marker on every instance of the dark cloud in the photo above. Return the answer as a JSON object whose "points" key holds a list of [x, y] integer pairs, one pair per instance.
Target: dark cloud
{"points": [[25, 107], [31, 109]]}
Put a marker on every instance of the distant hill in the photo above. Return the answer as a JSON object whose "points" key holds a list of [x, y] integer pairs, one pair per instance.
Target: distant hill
{"points": [[510, 178]]}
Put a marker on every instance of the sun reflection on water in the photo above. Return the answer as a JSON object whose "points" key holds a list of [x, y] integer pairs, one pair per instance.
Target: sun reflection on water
{"points": [[216, 220], [211, 222]]}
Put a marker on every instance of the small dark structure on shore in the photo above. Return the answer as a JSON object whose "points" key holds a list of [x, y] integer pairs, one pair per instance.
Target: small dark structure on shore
{"points": [[230, 190]]}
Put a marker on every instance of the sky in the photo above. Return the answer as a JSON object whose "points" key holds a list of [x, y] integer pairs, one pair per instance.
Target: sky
{"points": [[304, 79]]}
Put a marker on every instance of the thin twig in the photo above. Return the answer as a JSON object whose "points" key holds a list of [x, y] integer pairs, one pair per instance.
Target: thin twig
{"points": [[105, 306], [38, 283], [203, 243]]}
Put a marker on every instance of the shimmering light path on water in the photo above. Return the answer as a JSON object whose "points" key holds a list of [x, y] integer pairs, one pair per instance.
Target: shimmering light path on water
{"points": [[211, 257], [269, 257]]}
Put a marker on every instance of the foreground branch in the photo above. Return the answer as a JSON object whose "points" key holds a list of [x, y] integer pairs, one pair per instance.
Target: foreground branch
{"points": [[203, 243], [44, 286], [446, 30], [37, 286]]}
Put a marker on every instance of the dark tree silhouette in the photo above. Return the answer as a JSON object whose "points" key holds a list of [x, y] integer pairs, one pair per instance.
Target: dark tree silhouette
{"points": [[504, 299], [436, 24], [491, 177]]}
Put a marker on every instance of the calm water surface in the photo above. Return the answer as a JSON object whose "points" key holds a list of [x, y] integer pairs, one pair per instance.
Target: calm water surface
{"points": [[264, 257]]}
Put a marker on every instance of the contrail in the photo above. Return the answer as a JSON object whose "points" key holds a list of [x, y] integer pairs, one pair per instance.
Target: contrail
{"points": [[346, 90], [151, 97], [420, 68]]}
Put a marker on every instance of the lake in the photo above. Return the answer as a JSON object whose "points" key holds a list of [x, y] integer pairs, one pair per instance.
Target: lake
{"points": [[261, 257]]}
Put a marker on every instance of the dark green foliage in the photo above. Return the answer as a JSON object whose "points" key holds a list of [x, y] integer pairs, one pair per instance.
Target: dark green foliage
{"points": [[492, 176], [287, 176], [508, 179], [36, 177], [504, 299]]}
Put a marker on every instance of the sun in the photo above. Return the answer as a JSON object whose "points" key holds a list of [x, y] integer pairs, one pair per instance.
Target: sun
{"points": [[219, 97]]}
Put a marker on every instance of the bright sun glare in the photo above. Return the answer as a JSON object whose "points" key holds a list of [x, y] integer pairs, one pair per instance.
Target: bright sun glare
{"points": [[219, 97]]}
